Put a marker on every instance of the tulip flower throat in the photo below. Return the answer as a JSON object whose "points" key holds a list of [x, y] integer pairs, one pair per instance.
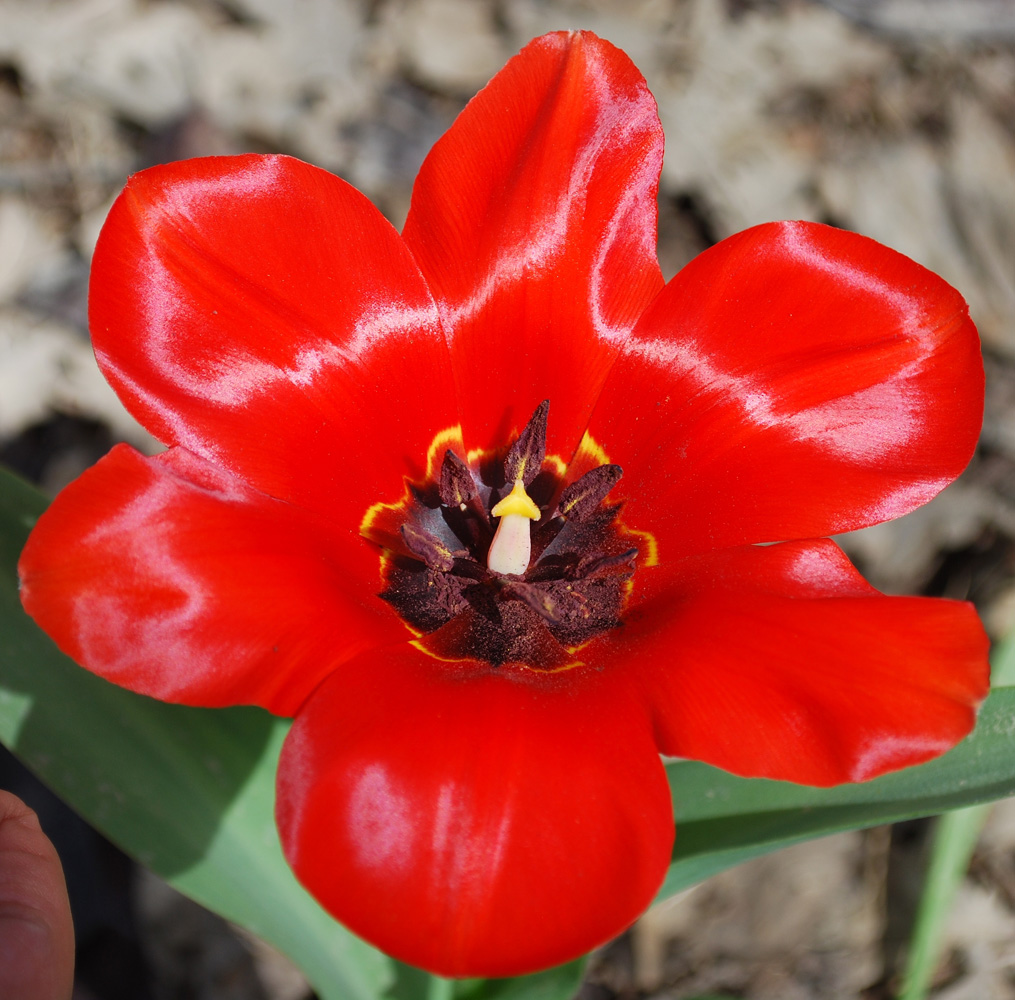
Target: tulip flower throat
{"points": [[495, 561]]}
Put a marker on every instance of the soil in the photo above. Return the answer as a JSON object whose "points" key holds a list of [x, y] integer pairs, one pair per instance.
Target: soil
{"points": [[895, 118]]}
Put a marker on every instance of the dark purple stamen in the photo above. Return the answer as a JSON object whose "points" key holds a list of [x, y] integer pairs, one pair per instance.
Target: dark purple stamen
{"points": [[572, 590]]}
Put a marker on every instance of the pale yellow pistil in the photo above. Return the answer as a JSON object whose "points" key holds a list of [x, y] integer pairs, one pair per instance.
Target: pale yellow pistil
{"points": [[511, 547]]}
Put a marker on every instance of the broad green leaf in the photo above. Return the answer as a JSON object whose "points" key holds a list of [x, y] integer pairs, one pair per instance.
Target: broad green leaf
{"points": [[188, 792], [723, 820]]}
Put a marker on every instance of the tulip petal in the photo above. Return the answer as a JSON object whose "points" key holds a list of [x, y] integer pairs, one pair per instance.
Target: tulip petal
{"points": [[534, 221], [172, 578], [263, 314], [782, 662], [473, 821], [791, 382]]}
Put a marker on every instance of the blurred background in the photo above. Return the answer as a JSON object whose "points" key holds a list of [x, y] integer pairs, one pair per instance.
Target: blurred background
{"points": [[895, 118]]}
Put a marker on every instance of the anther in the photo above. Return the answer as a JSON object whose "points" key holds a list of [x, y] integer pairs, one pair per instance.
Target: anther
{"points": [[582, 498], [457, 487], [525, 457], [427, 548]]}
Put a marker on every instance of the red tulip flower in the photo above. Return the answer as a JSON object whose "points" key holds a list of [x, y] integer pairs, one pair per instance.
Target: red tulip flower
{"points": [[481, 505]]}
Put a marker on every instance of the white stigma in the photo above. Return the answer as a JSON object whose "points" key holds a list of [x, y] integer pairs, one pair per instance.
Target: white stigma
{"points": [[511, 547]]}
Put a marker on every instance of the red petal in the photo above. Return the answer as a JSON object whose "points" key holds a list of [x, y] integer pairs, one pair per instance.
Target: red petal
{"points": [[782, 662], [793, 381], [262, 313], [479, 824], [172, 578], [534, 221]]}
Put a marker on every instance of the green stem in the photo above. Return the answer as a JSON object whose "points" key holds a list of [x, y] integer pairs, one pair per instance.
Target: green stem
{"points": [[955, 837], [440, 988]]}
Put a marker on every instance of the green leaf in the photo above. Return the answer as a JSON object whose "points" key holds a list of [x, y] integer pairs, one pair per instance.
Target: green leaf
{"points": [[723, 820], [188, 792]]}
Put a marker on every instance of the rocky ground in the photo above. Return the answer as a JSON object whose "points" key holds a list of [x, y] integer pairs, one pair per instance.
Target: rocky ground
{"points": [[895, 118]]}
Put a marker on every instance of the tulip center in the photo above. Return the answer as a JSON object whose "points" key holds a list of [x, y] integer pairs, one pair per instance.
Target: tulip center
{"points": [[502, 561]]}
